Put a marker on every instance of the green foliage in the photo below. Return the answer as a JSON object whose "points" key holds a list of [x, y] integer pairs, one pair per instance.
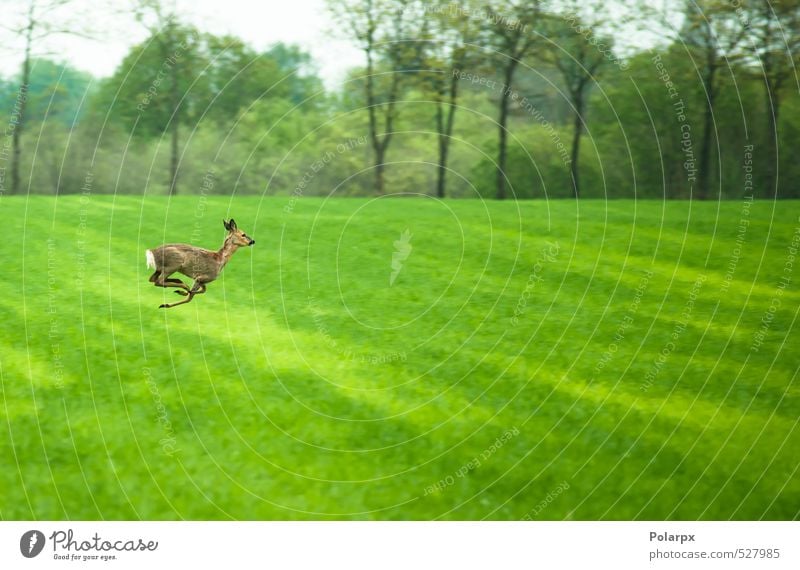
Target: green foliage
{"points": [[161, 80], [235, 76], [217, 77], [303, 385], [55, 92], [535, 167], [258, 122], [299, 73], [636, 121]]}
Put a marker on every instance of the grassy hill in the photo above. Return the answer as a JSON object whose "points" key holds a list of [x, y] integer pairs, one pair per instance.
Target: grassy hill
{"points": [[548, 360]]}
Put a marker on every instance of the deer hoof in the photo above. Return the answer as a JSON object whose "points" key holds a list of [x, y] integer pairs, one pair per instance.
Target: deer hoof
{"points": [[164, 306], [181, 293]]}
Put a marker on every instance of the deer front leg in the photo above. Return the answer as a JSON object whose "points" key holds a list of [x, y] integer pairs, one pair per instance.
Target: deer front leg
{"points": [[195, 286]]}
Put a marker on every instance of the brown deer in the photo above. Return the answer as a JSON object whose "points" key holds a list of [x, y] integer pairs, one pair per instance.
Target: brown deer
{"points": [[202, 265]]}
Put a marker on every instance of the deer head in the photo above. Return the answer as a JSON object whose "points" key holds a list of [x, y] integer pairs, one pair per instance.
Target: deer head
{"points": [[237, 236]]}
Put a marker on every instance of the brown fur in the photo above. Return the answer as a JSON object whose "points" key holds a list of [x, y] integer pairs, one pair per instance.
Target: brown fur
{"points": [[202, 265]]}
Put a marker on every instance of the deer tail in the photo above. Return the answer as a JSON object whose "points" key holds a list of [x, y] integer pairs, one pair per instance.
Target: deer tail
{"points": [[150, 258]]}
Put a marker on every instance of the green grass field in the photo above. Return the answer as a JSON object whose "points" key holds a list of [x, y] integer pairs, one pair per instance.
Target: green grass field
{"points": [[548, 360]]}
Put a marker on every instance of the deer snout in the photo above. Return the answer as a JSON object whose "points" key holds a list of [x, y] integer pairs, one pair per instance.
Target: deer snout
{"points": [[252, 241]]}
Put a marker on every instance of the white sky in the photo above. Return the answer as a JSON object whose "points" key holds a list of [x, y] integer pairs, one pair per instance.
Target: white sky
{"points": [[259, 23], [306, 23]]}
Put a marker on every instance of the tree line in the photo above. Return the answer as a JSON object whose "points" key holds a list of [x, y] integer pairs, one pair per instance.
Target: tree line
{"points": [[497, 99]]}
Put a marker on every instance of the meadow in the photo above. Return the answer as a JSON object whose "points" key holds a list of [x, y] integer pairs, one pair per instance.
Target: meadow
{"points": [[402, 358]]}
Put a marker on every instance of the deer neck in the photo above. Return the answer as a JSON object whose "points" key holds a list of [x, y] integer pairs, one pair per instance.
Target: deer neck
{"points": [[226, 251]]}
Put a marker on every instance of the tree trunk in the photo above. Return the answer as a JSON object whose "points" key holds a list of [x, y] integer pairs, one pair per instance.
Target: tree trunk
{"points": [[771, 159], [173, 184], [444, 151], [22, 104], [176, 119], [440, 181], [380, 152], [770, 73], [445, 128], [502, 120], [377, 144], [388, 129], [577, 131], [704, 165], [776, 105]]}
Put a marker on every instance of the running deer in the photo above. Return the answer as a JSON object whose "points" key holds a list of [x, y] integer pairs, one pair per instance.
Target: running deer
{"points": [[200, 264]]}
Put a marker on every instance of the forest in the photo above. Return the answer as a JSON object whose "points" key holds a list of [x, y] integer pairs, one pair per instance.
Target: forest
{"points": [[493, 99]]}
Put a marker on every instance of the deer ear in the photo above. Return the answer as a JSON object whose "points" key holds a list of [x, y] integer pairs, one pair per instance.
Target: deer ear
{"points": [[227, 225], [232, 224]]}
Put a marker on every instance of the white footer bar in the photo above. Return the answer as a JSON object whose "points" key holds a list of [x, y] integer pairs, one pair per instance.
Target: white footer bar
{"points": [[400, 545]]}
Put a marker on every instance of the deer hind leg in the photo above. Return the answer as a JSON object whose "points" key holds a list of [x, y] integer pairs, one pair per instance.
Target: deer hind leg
{"points": [[197, 289], [162, 279]]}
